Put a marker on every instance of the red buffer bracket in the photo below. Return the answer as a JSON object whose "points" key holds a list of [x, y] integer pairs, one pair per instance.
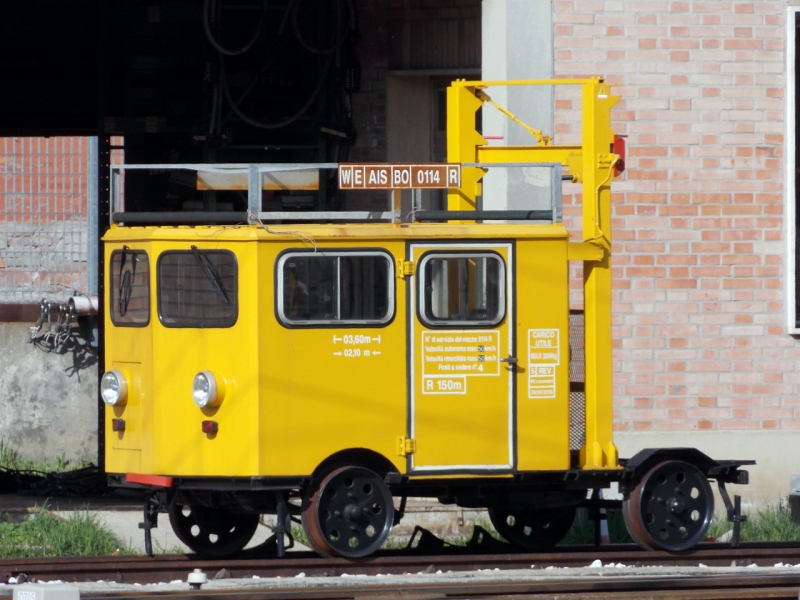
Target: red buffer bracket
{"points": [[154, 480]]}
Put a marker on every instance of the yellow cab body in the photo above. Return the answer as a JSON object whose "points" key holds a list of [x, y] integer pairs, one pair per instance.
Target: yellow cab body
{"points": [[441, 347]]}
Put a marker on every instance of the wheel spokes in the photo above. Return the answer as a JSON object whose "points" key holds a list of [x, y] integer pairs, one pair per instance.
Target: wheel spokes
{"points": [[674, 515], [671, 507], [352, 512], [349, 514], [213, 532]]}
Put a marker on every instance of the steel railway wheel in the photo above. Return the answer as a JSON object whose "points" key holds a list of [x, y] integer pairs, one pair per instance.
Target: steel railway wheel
{"points": [[211, 531], [533, 529], [670, 508], [348, 513]]}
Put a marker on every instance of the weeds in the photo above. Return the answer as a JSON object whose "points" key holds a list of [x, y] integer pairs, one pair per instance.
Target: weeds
{"points": [[772, 523], [299, 535], [10, 460], [46, 534]]}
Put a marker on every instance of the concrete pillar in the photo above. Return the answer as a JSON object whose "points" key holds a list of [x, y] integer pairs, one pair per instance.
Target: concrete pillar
{"points": [[517, 43]]}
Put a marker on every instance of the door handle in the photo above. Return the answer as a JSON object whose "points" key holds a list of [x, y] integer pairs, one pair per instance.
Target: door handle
{"points": [[512, 360]]}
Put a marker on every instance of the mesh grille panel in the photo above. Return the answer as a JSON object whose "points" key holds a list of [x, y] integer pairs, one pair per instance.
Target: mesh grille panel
{"points": [[577, 419], [577, 397]]}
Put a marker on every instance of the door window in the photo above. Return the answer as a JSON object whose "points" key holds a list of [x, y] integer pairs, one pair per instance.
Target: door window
{"points": [[462, 289]]}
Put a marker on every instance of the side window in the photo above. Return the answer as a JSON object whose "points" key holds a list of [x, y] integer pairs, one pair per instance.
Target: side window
{"points": [[130, 288], [461, 289], [197, 288], [325, 288]]}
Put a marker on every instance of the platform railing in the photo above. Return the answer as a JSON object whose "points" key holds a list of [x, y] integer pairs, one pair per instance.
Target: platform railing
{"points": [[255, 179]]}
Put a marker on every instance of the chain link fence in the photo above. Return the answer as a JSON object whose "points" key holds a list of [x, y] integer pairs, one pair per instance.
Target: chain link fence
{"points": [[43, 219]]}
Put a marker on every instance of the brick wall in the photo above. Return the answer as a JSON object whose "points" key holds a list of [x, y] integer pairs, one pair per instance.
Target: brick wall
{"points": [[699, 268], [43, 220]]}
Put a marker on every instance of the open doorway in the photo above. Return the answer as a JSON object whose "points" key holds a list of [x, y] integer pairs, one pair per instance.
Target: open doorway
{"points": [[416, 124]]}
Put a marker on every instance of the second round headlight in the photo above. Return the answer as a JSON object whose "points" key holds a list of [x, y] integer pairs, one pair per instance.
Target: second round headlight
{"points": [[205, 390], [114, 388]]}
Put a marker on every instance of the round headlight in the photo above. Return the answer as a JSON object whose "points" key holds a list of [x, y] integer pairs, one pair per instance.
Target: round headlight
{"points": [[114, 388], [204, 389]]}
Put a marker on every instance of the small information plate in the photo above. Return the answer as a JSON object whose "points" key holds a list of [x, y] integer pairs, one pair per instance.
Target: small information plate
{"points": [[460, 353], [377, 176], [544, 357]]}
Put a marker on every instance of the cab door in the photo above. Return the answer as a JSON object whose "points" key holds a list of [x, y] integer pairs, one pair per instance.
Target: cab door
{"points": [[128, 340], [461, 358]]}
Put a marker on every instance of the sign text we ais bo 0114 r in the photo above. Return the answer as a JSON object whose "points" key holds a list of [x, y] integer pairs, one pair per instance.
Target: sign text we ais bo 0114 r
{"points": [[399, 176]]}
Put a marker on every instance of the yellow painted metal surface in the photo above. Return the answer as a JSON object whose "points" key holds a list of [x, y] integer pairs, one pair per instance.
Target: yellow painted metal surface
{"points": [[327, 389], [229, 352], [586, 251], [462, 141], [132, 355], [293, 397], [462, 402], [162, 423], [511, 154], [542, 415], [598, 137]]}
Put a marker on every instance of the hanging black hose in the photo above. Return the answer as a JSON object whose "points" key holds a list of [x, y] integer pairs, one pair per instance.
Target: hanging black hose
{"points": [[283, 122], [343, 36], [217, 45], [291, 12]]}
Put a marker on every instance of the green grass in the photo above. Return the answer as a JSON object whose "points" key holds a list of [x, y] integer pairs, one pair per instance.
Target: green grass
{"points": [[46, 534], [299, 535], [10, 460], [773, 523]]}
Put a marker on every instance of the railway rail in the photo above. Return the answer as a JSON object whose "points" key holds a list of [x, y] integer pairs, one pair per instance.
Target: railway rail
{"points": [[143, 569], [708, 588], [718, 586]]}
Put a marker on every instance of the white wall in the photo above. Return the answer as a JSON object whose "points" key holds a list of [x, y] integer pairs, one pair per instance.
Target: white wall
{"points": [[517, 44]]}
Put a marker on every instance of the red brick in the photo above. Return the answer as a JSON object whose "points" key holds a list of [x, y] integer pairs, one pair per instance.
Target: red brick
{"points": [[702, 199]]}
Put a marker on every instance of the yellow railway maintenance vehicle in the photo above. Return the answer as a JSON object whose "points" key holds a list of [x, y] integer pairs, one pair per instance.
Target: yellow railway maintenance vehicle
{"points": [[256, 364]]}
